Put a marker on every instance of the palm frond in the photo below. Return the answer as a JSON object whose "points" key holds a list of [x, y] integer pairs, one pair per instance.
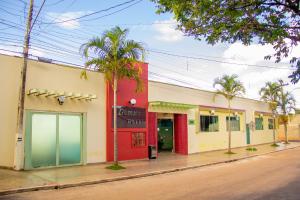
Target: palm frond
{"points": [[229, 87], [114, 55]]}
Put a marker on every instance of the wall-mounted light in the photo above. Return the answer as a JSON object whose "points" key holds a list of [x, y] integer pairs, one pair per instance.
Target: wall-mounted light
{"points": [[61, 100], [261, 115], [132, 102], [212, 112]]}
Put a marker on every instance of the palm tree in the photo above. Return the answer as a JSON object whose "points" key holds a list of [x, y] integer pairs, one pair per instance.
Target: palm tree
{"points": [[270, 94], [229, 87], [117, 58], [287, 104]]}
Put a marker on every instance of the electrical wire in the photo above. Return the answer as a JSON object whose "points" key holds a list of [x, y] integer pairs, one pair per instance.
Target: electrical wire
{"points": [[182, 56], [212, 60], [90, 14], [37, 15], [112, 13]]}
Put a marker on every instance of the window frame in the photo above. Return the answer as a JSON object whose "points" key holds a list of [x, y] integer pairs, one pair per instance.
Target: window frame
{"points": [[134, 140], [217, 126], [272, 123], [262, 123], [227, 122]]}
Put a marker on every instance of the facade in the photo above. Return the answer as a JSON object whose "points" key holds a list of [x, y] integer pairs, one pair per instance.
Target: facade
{"points": [[68, 120]]}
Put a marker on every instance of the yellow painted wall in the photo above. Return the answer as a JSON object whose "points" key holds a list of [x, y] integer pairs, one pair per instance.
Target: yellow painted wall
{"points": [[9, 91], [58, 78], [207, 141], [293, 129], [263, 136]]}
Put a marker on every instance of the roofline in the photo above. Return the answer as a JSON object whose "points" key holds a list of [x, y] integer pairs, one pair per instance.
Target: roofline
{"points": [[52, 63], [203, 90], [77, 67]]}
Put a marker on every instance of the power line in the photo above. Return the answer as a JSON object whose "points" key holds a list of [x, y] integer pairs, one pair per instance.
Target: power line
{"points": [[117, 11], [37, 15], [212, 60], [69, 6], [90, 14], [82, 66], [175, 55], [55, 3]]}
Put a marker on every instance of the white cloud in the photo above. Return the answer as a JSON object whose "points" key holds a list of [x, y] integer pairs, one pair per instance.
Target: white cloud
{"points": [[166, 31], [255, 77], [253, 54], [37, 52], [255, 80], [11, 50], [17, 51], [59, 17]]}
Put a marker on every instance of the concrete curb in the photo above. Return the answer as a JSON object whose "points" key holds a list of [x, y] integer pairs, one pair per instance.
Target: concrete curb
{"points": [[121, 178]]}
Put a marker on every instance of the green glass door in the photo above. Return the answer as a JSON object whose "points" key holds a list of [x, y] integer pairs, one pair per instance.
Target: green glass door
{"points": [[43, 143], [165, 134], [53, 139], [69, 139]]}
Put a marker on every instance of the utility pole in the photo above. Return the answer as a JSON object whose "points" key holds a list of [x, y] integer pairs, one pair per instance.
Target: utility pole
{"points": [[19, 148]]}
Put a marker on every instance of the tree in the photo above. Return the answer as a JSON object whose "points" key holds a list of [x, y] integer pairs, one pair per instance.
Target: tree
{"points": [[117, 58], [270, 94], [287, 105], [275, 22], [229, 87]]}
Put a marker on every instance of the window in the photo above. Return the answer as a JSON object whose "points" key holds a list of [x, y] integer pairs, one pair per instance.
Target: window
{"points": [[259, 123], [235, 123], [138, 139], [209, 123], [271, 123]]}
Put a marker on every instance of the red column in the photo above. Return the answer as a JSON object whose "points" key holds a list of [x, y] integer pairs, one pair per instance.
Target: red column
{"points": [[152, 128], [181, 133], [126, 92]]}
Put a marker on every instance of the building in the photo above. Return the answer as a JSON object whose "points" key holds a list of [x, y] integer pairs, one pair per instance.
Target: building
{"points": [[293, 128], [68, 120]]}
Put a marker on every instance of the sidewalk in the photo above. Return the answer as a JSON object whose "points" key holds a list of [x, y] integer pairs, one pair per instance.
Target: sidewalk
{"points": [[21, 181]]}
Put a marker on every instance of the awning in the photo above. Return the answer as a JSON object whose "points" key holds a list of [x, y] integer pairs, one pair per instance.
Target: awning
{"points": [[51, 93], [163, 104]]}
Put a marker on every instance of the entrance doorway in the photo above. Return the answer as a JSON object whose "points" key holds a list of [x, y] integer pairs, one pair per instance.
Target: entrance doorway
{"points": [[248, 133], [53, 139], [165, 135]]}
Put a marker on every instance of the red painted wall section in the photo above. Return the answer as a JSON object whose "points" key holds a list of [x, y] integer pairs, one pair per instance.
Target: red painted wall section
{"points": [[127, 91], [181, 133], [152, 128]]}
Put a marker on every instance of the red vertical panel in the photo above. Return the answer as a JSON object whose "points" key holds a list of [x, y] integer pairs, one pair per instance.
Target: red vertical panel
{"points": [[152, 128], [181, 133], [109, 133], [127, 91]]}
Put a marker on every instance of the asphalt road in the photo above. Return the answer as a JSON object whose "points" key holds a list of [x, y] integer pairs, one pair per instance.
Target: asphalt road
{"points": [[271, 177]]}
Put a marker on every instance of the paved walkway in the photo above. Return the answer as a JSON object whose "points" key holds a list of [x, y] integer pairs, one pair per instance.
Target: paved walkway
{"points": [[17, 181]]}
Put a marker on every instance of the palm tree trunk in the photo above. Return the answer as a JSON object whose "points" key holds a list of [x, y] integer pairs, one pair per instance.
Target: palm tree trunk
{"points": [[229, 128], [274, 132], [115, 87], [285, 133]]}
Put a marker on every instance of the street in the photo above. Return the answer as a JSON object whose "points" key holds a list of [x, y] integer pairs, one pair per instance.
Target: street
{"points": [[274, 176]]}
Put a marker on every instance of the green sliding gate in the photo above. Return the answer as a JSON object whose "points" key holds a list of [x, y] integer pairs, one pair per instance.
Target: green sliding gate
{"points": [[53, 139]]}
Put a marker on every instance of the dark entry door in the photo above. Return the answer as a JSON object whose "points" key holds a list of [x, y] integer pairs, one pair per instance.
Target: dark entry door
{"points": [[165, 134]]}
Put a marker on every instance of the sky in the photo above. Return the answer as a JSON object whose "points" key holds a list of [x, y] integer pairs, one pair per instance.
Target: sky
{"points": [[172, 56]]}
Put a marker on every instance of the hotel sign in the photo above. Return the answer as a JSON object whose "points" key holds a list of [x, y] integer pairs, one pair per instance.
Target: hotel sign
{"points": [[130, 117]]}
